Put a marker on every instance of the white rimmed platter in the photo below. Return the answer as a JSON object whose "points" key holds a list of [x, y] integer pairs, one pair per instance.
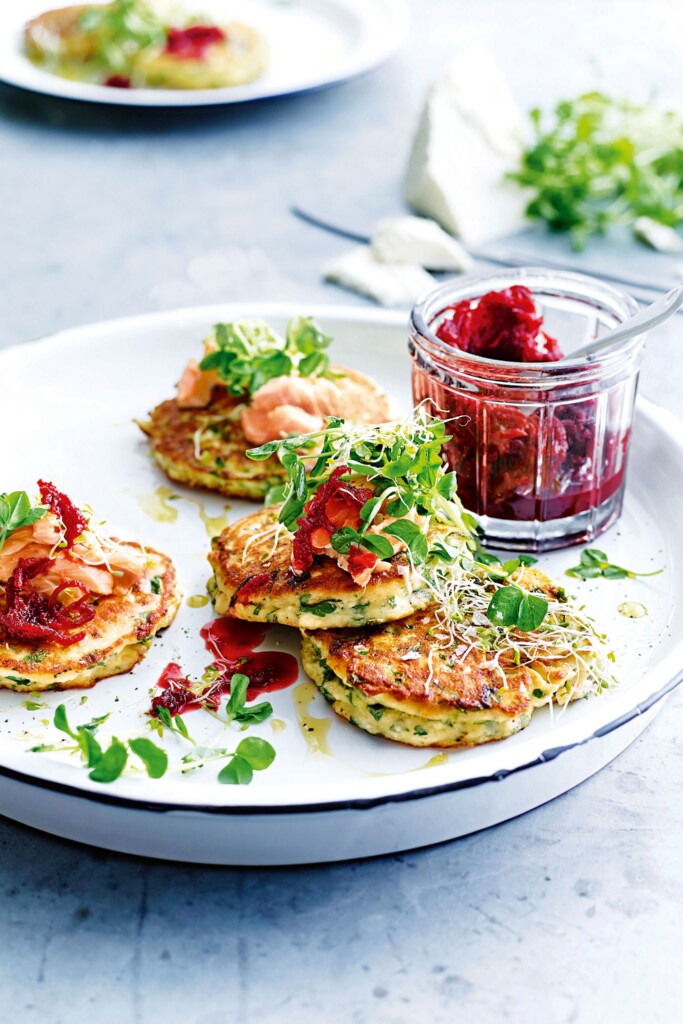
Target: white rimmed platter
{"points": [[333, 792], [312, 43]]}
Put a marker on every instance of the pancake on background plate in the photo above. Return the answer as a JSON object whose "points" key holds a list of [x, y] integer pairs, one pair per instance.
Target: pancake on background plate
{"points": [[75, 605], [448, 676], [253, 386], [367, 514], [129, 44]]}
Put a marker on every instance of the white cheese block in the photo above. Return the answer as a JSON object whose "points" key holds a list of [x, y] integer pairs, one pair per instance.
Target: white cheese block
{"points": [[657, 236], [470, 135], [390, 284], [418, 240]]}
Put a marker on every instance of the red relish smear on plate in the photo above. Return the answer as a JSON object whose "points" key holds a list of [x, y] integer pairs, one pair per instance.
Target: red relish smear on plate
{"points": [[232, 643], [192, 43]]}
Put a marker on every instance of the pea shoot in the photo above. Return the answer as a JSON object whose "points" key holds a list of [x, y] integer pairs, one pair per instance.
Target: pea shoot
{"points": [[16, 510], [249, 353], [594, 564], [598, 161], [401, 466]]}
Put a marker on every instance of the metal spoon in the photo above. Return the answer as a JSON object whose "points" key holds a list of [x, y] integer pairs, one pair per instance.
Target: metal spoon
{"points": [[656, 313]]}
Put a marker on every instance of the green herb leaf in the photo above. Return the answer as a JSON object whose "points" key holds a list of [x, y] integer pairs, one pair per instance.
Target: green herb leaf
{"points": [[412, 536], [15, 512], [512, 607], [90, 748], [594, 564], [155, 584], [239, 684], [61, 722], [112, 763], [154, 758], [257, 752], [237, 772], [320, 608]]}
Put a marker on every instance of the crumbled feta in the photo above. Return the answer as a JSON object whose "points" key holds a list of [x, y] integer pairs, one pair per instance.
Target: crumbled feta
{"points": [[657, 236], [390, 284], [418, 240]]}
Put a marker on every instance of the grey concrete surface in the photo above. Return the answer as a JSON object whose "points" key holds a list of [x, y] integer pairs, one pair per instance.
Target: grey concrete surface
{"points": [[570, 914]]}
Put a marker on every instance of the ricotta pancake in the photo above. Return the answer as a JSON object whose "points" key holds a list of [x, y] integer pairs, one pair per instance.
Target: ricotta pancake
{"points": [[206, 447], [252, 387], [116, 639], [419, 683], [76, 605], [254, 580], [126, 44]]}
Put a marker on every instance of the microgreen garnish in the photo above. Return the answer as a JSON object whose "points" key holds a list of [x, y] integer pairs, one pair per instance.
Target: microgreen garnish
{"points": [[16, 511], [594, 564], [162, 717], [251, 755], [106, 765], [236, 709], [249, 353], [515, 608], [120, 29], [603, 161], [400, 462]]}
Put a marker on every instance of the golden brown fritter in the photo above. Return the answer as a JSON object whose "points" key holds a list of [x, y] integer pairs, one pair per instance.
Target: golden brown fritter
{"points": [[206, 448], [117, 638], [253, 579], [404, 680]]}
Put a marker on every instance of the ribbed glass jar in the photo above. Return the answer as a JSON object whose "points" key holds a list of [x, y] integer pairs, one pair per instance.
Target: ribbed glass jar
{"points": [[540, 449]]}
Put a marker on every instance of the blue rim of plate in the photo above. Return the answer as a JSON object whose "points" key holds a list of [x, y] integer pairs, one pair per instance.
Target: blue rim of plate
{"points": [[134, 804]]}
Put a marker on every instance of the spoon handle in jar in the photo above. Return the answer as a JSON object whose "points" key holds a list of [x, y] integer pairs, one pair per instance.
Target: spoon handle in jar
{"points": [[654, 314]]}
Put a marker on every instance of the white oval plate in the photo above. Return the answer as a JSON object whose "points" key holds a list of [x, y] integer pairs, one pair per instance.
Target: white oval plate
{"points": [[68, 404], [313, 44]]}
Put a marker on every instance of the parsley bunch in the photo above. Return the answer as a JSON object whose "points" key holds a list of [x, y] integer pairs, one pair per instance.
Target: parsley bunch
{"points": [[249, 353], [122, 28], [16, 511], [401, 462], [599, 161]]}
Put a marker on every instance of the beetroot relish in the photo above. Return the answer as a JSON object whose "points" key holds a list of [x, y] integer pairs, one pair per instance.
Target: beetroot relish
{"points": [[334, 505], [500, 325], [232, 644], [193, 42], [29, 617], [73, 520], [118, 82]]}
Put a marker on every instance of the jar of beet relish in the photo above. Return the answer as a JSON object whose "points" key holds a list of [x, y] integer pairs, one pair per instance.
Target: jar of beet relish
{"points": [[539, 448]]}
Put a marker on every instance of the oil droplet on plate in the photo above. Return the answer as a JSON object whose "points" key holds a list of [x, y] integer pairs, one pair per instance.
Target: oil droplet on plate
{"points": [[314, 730], [197, 601], [212, 524], [632, 609], [433, 762], [156, 504], [277, 725]]}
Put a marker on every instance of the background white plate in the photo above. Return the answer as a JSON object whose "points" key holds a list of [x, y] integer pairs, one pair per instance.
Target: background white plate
{"points": [[313, 44], [68, 403]]}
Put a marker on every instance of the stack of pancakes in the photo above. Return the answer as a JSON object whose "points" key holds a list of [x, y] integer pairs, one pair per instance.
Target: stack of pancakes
{"points": [[379, 653]]}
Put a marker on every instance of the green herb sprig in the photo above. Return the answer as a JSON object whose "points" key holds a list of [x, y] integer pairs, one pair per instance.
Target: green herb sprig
{"points": [[401, 462], [236, 709], [249, 353], [106, 765], [598, 161], [16, 511], [251, 755], [594, 564], [121, 29]]}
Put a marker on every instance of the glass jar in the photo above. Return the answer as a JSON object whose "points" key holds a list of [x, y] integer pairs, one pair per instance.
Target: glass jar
{"points": [[540, 449]]}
